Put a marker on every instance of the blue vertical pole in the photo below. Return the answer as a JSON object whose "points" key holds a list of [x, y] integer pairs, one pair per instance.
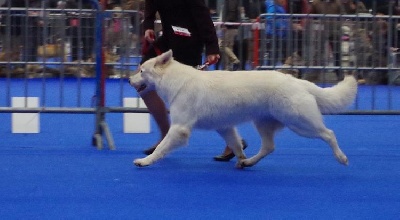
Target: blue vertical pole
{"points": [[98, 52], [101, 126]]}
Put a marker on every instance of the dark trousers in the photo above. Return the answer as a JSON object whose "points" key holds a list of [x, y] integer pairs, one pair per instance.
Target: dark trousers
{"points": [[31, 38], [82, 39], [277, 49], [189, 56]]}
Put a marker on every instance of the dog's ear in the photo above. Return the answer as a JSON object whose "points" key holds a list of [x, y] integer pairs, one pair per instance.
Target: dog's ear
{"points": [[164, 58]]}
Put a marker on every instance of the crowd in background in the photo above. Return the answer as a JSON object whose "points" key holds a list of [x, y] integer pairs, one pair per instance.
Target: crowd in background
{"points": [[284, 40], [320, 41]]}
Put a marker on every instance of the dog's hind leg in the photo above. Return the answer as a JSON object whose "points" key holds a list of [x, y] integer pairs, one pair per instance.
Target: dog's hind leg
{"points": [[329, 137], [233, 141], [177, 136], [313, 127], [267, 130]]}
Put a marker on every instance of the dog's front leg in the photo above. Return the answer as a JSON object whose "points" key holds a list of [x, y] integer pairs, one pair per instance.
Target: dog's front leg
{"points": [[177, 136]]}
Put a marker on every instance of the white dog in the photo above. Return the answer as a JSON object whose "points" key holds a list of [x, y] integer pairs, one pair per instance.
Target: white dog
{"points": [[219, 100]]}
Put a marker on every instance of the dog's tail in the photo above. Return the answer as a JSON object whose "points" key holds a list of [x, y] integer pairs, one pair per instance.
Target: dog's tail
{"points": [[337, 98]]}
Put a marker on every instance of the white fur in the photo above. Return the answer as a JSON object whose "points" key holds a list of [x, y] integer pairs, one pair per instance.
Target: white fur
{"points": [[219, 100]]}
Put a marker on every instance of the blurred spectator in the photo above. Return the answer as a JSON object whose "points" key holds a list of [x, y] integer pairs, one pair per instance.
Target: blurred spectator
{"points": [[380, 44], [135, 20], [24, 30], [244, 37], [382, 36], [295, 56], [252, 10], [354, 7], [231, 14], [118, 36], [320, 31], [356, 32], [81, 29], [212, 5], [387, 7], [396, 37], [11, 29], [277, 31]]}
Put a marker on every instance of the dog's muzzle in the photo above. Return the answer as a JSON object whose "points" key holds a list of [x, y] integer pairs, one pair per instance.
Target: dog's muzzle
{"points": [[141, 88], [138, 88]]}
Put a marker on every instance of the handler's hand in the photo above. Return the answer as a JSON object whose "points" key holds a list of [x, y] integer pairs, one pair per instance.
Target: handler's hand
{"points": [[212, 58], [149, 35]]}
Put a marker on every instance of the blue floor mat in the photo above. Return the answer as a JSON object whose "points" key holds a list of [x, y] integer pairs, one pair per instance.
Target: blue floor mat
{"points": [[61, 176]]}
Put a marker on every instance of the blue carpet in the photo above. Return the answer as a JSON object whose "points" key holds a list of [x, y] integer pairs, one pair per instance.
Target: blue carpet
{"points": [[57, 174]]}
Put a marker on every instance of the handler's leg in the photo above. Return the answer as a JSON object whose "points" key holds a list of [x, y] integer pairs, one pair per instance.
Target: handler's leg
{"points": [[227, 155], [233, 140], [159, 112]]}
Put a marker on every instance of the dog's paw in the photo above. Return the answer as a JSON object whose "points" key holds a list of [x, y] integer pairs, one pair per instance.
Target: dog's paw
{"points": [[239, 165], [243, 163], [141, 162]]}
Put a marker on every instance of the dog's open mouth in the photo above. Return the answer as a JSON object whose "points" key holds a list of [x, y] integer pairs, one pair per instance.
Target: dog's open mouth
{"points": [[141, 88]]}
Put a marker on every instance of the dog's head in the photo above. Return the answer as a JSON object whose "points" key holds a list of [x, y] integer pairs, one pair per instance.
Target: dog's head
{"points": [[150, 73]]}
